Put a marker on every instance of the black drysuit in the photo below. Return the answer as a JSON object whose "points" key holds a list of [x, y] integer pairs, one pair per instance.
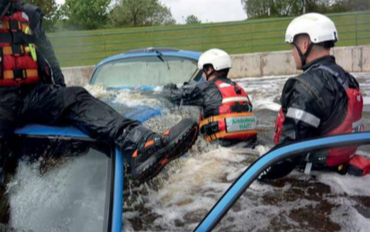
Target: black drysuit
{"points": [[321, 97]]}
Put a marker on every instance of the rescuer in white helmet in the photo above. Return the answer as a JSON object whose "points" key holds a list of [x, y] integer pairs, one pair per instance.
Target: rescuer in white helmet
{"points": [[226, 108], [323, 100]]}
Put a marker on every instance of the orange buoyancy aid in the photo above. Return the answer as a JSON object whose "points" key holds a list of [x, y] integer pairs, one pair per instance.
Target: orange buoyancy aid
{"points": [[233, 119], [18, 60], [351, 124]]}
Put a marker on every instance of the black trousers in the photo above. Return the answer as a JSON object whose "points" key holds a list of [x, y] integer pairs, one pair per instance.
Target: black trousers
{"points": [[56, 105]]}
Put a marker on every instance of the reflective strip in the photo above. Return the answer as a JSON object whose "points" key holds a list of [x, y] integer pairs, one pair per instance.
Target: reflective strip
{"points": [[223, 85], [303, 116], [25, 16], [235, 99], [9, 74], [356, 124]]}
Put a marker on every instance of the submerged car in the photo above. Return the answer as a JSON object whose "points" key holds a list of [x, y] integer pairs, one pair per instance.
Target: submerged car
{"points": [[147, 68]]}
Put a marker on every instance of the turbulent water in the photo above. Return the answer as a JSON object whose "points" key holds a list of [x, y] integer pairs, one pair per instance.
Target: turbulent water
{"points": [[187, 189]]}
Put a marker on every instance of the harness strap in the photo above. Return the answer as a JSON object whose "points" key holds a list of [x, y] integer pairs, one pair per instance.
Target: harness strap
{"points": [[336, 74], [14, 50], [17, 38], [221, 134], [20, 74]]}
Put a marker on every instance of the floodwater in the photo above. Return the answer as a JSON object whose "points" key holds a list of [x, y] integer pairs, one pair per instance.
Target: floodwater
{"points": [[180, 197], [186, 190]]}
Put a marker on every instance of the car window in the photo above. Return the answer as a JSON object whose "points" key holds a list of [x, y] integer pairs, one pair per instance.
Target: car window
{"points": [[56, 184], [145, 71], [321, 201]]}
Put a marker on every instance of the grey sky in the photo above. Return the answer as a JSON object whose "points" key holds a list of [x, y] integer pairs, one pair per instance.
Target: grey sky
{"points": [[205, 10]]}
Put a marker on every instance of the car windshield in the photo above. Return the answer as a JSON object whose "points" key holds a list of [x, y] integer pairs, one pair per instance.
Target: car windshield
{"points": [[145, 71], [56, 184]]}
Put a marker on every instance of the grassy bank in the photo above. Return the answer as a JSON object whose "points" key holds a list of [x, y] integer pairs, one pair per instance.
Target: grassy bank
{"points": [[78, 48]]}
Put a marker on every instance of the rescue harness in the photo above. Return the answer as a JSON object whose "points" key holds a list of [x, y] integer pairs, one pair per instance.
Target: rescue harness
{"points": [[18, 58], [233, 119]]}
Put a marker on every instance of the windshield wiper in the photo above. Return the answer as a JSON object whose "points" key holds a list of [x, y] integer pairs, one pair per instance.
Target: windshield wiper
{"points": [[160, 56]]}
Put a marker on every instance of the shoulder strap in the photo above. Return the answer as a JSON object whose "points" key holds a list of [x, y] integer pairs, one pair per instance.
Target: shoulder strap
{"points": [[312, 90], [336, 74]]}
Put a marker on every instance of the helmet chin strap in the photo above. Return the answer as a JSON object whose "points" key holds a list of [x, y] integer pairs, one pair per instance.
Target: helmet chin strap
{"points": [[208, 75], [304, 56]]}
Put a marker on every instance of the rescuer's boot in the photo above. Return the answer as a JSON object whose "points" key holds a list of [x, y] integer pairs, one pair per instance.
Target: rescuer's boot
{"points": [[149, 152]]}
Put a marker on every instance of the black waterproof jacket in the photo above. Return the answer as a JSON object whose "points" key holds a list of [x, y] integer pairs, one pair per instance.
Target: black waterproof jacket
{"points": [[322, 100], [319, 94]]}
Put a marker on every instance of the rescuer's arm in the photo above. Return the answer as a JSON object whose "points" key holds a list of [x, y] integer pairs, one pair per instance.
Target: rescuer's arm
{"points": [[188, 94]]}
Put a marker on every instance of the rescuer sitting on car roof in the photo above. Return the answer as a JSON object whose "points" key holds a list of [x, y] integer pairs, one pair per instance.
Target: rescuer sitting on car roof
{"points": [[227, 112], [323, 100], [32, 91]]}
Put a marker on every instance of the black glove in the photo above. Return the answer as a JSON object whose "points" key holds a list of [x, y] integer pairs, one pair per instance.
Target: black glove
{"points": [[170, 86]]}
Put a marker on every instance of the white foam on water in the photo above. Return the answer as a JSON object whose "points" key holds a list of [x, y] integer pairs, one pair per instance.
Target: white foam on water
{"points": [[49, 201], [351, 185], [99, 91], [188, 188], [367, 99]]}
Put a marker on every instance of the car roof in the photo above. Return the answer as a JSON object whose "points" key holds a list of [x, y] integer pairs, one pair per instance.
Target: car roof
{"points": [[152, 51]]}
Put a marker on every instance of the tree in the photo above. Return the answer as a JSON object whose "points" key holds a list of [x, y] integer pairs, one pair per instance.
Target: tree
{"points": [[277, 8], [357, 5], [86, 14], [51, 12], [192, 19], [140, 13]]}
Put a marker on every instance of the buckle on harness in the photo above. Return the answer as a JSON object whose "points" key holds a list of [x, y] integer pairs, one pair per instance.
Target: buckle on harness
{"points": [[17, 37], [17, 50], [14, 25], [19, 74]]}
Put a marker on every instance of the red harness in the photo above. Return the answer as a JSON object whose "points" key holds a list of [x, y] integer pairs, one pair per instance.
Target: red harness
{"points": [[17, 66], [234, 118], [350, 124]]}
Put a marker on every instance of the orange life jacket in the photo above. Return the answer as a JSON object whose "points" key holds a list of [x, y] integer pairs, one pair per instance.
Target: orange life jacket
{"points": [[351, 123], [18, 61], [234, 118]]}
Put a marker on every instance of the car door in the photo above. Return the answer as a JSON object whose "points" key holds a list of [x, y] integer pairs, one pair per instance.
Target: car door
{"points": [[56, 180], [321, 205]]}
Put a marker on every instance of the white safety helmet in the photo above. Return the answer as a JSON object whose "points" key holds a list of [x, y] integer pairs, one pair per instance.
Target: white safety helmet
{"points": [[218, 58], [319, 28]]}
